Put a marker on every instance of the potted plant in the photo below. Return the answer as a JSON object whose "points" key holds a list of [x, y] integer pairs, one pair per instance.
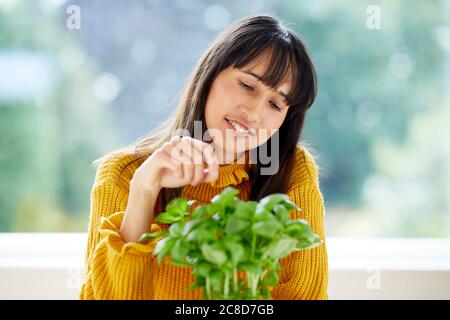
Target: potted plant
{"points": [[230, 235]]}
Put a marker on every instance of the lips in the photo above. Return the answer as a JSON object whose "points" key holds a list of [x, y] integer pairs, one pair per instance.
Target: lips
{"points": [[240, 127], [246, 127]]}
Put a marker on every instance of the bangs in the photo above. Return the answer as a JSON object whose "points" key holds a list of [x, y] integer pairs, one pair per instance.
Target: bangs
{"points": [[285, 65]]}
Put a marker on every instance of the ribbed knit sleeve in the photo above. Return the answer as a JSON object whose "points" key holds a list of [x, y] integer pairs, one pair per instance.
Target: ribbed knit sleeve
{"points": [[114, 269], [304, 274]]}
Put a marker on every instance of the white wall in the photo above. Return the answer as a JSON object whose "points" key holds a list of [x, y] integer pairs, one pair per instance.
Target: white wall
{"points": [[49, 266]]}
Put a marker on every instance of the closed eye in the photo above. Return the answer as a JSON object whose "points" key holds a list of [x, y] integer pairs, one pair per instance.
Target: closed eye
{"points": [[249, 88], [245, 86], [275, 106]]}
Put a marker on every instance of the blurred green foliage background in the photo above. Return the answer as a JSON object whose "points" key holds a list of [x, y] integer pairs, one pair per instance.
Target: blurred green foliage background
{"points": [[379, 127]]}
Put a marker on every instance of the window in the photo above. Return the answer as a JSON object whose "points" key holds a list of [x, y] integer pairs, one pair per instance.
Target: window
{"points": [[379, 125]]}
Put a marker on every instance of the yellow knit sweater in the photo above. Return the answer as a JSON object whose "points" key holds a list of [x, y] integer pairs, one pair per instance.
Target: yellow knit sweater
{"points": [[118, 270]]}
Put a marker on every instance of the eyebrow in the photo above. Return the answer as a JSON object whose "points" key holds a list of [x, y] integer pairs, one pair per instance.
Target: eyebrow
{"points": [[281, 93]]}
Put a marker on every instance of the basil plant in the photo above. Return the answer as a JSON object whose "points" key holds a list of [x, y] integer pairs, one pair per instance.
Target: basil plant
{"points": [[230, 235]]}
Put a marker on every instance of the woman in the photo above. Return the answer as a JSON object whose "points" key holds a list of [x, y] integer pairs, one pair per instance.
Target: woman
{"points": [[250, 91]]}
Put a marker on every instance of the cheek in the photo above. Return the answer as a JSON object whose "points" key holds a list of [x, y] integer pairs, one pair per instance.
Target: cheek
{"points": [[228, 96], [271, 123], [221, 99], [273, 119]]}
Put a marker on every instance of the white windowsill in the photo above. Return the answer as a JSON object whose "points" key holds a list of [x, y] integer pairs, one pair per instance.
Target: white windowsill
{"points": [[50, 265]]}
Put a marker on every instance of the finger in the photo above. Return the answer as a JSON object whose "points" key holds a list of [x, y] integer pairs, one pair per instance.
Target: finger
{"points": [[171, 144], [168, 164], [213, 163], [199, 174], [193, 149], [188, 165], [208, 156], [207, 150], [178, 160], [175, 139], [179, 155], [174, 154], [196, 156]]}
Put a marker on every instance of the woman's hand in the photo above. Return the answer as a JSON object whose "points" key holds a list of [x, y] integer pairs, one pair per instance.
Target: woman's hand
{"points": [[177, 163]]}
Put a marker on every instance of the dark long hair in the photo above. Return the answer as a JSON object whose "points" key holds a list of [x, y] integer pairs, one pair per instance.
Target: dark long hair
{"points": [[239, 45]]}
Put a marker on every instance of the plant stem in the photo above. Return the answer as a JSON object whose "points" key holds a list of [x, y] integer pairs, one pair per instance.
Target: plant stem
{"points": [[208, 288], [255, 280], [227, 285], [264, 273], [253, 246], [235, 280]]}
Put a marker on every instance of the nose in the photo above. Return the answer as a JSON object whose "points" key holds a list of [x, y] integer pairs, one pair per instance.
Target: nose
{"points": [[253, 110]]}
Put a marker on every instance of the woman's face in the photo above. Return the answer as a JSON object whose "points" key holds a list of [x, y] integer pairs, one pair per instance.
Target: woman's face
{"points": [[237, 97]]}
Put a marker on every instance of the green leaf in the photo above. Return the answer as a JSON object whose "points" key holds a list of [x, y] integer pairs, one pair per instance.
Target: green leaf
{"points": [[226, 196], [195, 254], [291, 206], [202, 268], [153, 235], [214, 254], [236, 251], [271, 278], [175, 229], [189, 225], [281, 213], [179, 250], [269, 202], [214, 208], [163, 247], [202, 235], [235, 225], [250, 266], [281, 248], [180, 263], [216, 277], [264, 215], [200, 212], [308, 244], [169, 217], [199, 282], [277, 267], [266, 293], [228, 266], [300, 230], [266, 228], [244, 210], [177, 206]]}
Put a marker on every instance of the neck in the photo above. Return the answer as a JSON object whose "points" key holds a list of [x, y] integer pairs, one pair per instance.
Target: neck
{"points": [[225, 158]]}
